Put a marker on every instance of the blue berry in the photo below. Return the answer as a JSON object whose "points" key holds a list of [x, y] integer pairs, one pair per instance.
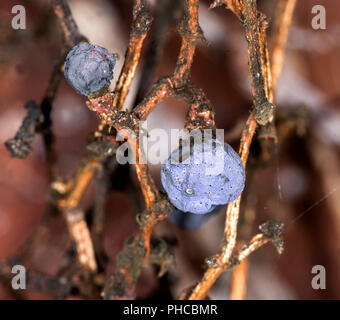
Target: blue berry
{"points": [[206, 178], [88, 68]]}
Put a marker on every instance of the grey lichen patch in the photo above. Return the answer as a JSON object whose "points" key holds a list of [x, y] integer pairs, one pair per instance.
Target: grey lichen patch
{"points": [[264, 113], [142, 23], [273, 230], [21, 145]]}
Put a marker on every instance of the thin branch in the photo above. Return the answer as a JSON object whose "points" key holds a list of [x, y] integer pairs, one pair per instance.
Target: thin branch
{"points": [[282, 22], [71, 36], [43, 123], [58, 286], [179, 85], [167, 14], [140, 250], [262, 114], [210, 276], [69, 28], [75, 218], [239, 281], [140, 26]]}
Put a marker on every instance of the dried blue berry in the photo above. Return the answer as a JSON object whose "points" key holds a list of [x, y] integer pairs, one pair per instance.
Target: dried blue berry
{"points": [[210, 174], [88, 68]]}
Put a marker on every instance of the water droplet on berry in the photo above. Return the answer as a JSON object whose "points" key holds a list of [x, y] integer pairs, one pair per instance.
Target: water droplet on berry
{"points": [[189, 191]]}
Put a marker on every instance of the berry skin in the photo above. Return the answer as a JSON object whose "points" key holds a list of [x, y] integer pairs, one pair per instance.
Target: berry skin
{"points": [[88, 68], [194, 186]]}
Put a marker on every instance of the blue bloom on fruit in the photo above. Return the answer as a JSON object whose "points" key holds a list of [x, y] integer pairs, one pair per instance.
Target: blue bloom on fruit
{"points": [[211, 174], [88, 68]]}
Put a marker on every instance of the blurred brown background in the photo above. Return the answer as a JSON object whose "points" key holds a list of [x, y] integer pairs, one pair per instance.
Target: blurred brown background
{"points": [[306, 167]]}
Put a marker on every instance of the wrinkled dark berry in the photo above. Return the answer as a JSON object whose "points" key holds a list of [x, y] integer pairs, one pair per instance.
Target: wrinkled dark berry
{"points": [[88, 68]]}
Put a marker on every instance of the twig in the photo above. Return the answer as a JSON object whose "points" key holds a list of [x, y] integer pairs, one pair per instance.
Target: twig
{"points": [[112, 102], [70, 31], [262, 114], [202, 288], [283, 19], [167, 14], [239, 281], [75, 218], [75, 188], [46, 109], [267, 134], [271, 231], [58, 286], [77, 226], [71, 37], [140, 249], [178, 84], [81, 237], [102, 179], [140, 26], [137, 251]]}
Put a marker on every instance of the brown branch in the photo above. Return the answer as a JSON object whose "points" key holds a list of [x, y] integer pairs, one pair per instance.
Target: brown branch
{"points": [[267, 134], [167, 14], [254, 24], [107, 105], [136, 254], [69, 28], [76, 187], [179, 85], [263, 114], [81, 238], [203, 287], [59, 286], [191, 33], [46, 108], [71, 37], [140, 26], [74, 216], [265, 59], [282, 21], [102, 180], [239, 281], [139, 251], [20, 147], [258, 56], [271, 231]]}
